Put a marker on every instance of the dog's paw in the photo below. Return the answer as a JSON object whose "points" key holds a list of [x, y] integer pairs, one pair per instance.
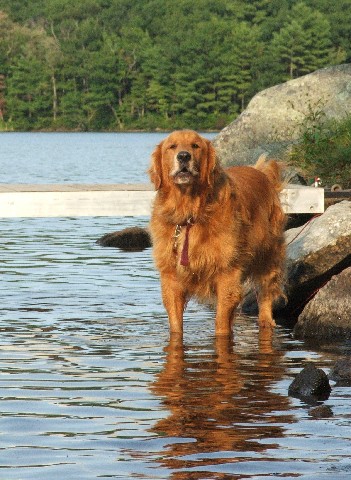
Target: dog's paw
{"points": [[266, 321]]}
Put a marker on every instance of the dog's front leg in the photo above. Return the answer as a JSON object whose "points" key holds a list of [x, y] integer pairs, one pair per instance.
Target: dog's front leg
{"points": [[229, 294], [174, 299]]}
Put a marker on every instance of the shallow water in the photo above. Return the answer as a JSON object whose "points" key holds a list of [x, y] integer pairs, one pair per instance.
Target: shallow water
{"points": [[91, 387]]}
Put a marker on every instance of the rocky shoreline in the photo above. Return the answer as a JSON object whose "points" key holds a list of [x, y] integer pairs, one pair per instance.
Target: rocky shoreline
{"points": [[318, 279]]}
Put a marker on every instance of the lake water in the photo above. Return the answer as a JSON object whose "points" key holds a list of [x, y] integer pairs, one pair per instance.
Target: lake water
{"points": [[91, 387], [76, 157]]}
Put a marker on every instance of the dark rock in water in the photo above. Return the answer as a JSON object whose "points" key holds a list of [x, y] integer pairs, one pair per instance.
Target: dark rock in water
{"points": [[132, 239], [341, 372], [327, 315], [310, 384], [321, 411]]}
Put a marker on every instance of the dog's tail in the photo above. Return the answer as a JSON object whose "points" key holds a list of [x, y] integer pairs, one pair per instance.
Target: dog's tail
{"points": [[273, 170]]}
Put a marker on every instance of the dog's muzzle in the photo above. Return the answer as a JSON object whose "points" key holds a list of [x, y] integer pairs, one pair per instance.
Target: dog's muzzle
{"points": [[184, 172]]}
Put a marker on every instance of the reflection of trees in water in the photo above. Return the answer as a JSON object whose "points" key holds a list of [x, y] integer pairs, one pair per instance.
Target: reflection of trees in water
{"points": [[220, 401]]}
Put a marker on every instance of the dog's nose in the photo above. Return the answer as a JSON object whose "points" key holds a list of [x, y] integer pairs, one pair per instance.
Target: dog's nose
{"points": [[184, 156]]}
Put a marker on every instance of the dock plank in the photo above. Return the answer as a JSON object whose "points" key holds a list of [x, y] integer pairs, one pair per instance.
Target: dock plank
{"points": [[77, 200]]}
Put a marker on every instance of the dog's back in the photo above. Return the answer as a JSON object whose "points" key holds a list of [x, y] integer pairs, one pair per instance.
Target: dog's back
{"points": [[273, 171], [257, 188]]}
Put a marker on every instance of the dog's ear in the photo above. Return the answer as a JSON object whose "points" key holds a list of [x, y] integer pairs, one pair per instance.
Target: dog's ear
{"points": [[211, 164], [155, 170]]}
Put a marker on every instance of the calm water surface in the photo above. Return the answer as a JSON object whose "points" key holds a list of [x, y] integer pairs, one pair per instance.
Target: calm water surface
{"points": [[92, 388], [76, 157]]}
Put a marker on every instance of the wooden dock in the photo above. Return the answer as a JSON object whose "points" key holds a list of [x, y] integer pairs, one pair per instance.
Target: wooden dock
{"points": [[80, 200]]}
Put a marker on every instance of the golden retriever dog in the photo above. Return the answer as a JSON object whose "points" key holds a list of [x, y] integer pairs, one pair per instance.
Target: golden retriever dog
{"points": [[213, 228]]}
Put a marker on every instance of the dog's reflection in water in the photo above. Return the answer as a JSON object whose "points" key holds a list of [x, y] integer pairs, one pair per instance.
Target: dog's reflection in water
{"points": [[219, 399]]}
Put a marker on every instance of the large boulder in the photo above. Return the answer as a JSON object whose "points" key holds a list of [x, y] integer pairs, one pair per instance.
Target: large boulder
{"points": [[270, 123], [328, 314], [315, 252]]}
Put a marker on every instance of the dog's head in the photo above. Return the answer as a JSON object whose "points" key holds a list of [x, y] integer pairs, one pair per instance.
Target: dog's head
{"points": [[184, 158]]}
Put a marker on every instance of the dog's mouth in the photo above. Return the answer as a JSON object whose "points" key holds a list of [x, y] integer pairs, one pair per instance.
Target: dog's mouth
{"points": [[184, 176]]}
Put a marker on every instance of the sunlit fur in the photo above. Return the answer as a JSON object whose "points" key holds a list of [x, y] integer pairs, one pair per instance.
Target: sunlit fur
{"points": [[237, 231]]}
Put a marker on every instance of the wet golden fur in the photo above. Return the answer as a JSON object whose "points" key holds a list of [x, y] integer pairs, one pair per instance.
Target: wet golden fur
{"points": [[237, 231]]}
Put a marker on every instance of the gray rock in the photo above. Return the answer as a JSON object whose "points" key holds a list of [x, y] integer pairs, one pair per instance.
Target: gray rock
{"points": [[130, 239], [317, 251], [328, 314], [323, 242], [270, 124], [310, 384], [341, 371]]}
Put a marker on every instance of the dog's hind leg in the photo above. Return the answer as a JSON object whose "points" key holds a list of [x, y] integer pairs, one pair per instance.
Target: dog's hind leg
{"points": [[269, 291]]}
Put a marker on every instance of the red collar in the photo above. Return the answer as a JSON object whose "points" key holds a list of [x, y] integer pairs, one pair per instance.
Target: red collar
{"points": [[184, 257]]}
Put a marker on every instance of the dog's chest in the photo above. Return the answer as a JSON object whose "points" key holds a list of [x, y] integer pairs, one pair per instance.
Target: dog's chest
{"points": [[201, 251]]}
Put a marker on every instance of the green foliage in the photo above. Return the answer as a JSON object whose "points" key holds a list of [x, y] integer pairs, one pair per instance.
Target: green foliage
{"points": [[324, 148], [303, 43], [117, 64]]}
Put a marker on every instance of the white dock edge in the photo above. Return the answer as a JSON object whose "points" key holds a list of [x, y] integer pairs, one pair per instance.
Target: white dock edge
{"points": [[116, 200], [301, 199]]}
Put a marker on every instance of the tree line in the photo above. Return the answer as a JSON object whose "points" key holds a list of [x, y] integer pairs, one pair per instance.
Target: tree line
{"points": [[148, 64]]}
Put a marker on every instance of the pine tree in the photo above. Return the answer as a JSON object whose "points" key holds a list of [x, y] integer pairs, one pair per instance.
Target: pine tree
{"points": [[303, 44], [29, 94]]}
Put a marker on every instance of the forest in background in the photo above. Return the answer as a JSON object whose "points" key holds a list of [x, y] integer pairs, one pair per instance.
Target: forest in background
{"points": [[156, 64]]}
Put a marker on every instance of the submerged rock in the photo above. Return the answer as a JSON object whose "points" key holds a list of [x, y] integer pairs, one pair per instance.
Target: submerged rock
{"points": [[321, 411], [341, 372], [310, 384], [130, 239], [328, 314]]}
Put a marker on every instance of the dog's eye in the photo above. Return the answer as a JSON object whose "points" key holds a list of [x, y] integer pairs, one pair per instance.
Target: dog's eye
{"points": [[195, 145], [173, 146]]}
